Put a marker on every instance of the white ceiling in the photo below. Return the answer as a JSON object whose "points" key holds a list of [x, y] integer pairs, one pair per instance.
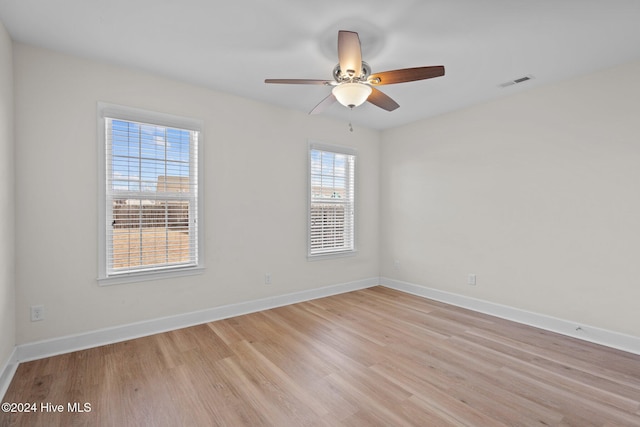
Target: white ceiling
{"points": [[233, 46]]}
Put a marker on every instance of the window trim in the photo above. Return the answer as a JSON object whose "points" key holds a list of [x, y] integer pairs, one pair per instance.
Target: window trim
{"points": [[339, 149], [120, 112]]}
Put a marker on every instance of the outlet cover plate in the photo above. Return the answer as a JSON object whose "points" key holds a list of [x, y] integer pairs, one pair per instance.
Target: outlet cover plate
{"points": [[37, 313]]}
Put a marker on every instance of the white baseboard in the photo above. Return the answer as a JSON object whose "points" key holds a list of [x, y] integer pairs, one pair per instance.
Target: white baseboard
{"points": [[7, 372], [592, 334], [66, 344]]}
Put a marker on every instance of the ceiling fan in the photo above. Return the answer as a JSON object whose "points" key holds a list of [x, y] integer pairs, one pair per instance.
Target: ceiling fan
{"points": [[353, 83]]}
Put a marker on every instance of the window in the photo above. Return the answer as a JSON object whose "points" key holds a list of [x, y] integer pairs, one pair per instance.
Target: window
{"points": [[150, 207], [331, 200]]}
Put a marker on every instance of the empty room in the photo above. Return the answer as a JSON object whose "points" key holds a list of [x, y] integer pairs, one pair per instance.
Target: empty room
{"points": [[409, 213]]}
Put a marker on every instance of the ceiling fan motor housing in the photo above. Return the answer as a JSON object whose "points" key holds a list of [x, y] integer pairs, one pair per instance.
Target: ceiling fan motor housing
{"points": [[341, 77]]}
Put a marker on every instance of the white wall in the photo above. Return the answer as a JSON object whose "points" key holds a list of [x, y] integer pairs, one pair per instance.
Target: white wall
{"points": [[255, 197], [7, 183], [538, 194]]}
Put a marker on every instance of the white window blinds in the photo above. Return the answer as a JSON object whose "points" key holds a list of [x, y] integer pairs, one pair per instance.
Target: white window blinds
{"points": [[331, 200], [151, 197]]}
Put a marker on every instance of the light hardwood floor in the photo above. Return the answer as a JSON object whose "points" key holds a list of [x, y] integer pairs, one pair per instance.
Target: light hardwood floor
{"points": [[365, 358]]}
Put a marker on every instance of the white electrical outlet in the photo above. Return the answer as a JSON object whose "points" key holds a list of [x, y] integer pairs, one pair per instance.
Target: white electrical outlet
{"points": [[37, 313], [471, 280], [267, 278], [396, 264]]}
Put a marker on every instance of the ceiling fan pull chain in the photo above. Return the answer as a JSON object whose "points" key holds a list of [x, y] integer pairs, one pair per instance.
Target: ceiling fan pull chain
{"points": [[350, 114]]}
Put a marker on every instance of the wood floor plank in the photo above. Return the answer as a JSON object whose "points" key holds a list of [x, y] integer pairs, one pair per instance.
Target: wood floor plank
{"points": [[374, 357]]}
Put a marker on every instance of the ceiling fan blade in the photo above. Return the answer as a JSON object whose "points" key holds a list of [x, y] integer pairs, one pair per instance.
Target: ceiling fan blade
{"points": [[349, 53], [381, 100], [300, 81], [324, 104], [406, 75]]}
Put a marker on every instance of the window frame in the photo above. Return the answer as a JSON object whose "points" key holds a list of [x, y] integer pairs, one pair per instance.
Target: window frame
{"points": [[120, 112], [335, 149]]}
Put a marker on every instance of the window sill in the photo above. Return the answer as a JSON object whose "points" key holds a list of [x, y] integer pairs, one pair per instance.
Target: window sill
{"points": [[147, 276], [331, 255]]}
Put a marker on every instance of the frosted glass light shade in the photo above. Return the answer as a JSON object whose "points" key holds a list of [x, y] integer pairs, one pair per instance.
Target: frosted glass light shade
{"points": [[351, 94]]}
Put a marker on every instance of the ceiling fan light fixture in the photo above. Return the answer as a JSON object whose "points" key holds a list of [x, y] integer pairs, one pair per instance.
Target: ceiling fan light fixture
{"points": [[352, 94], [356, 84]]}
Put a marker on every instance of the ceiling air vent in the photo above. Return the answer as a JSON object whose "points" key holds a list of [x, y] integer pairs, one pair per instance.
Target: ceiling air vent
{"points": [[516, 81]]}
